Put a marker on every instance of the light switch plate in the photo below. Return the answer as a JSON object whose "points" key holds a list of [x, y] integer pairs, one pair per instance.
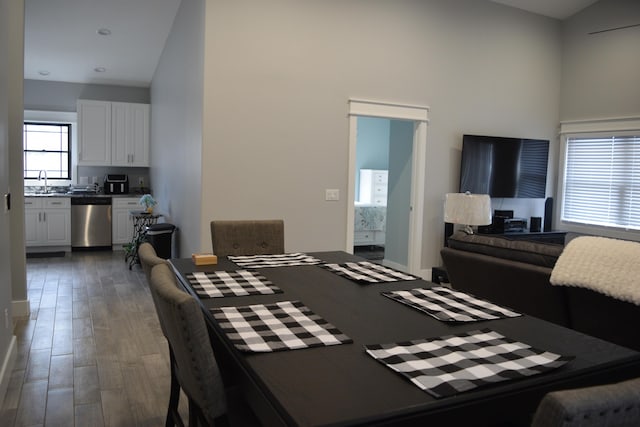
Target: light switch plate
{"points": [[332, 194]]}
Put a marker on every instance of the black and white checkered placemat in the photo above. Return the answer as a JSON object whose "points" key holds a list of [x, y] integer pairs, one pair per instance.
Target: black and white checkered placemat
{"points": [[286, 325], [448, 305], [231, 283], [452, 364], [368, 272], [279, 260]]}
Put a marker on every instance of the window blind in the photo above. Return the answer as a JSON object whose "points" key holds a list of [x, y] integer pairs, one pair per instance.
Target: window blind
{"points": [[602, 181]]}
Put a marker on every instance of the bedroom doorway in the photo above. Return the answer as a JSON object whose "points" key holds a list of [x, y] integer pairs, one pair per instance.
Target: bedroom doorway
{"points": [[400, 215], [383, 189]]}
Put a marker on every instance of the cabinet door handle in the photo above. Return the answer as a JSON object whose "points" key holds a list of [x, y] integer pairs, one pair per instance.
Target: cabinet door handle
{"points": [[44, 217]]}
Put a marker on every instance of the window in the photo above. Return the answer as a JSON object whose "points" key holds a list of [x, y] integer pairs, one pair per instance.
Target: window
{"points": [[47, 146], [602, 181]]}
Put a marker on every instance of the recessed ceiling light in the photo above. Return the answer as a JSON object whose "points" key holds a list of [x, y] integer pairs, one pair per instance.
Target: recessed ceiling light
{"points": [[43, 72], [99, 69], [104, 31]]}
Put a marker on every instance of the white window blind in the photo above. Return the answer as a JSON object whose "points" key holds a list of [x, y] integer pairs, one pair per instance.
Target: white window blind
{"points": [[602, 181]]}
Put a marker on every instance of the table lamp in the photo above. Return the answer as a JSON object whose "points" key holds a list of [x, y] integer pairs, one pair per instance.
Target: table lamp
{"points": [[467, 209]]}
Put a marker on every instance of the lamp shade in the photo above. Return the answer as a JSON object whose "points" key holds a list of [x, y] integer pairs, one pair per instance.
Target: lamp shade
{"points": [[467, 209]]}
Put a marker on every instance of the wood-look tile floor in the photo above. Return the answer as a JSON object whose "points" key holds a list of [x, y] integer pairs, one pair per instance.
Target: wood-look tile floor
{"points": [[92, 352]]}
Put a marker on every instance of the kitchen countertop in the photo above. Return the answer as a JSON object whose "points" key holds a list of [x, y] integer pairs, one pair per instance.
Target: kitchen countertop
{"points": [[68, 194]]}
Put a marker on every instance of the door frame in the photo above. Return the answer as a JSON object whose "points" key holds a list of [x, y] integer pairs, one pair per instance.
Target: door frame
{"points": [[419, 115]]}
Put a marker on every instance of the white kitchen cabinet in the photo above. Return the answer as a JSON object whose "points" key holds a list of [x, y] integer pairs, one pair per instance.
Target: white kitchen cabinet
{"points": [[113, 133], [373, 186], [94, 133], [47, 221], [122, 223], [129, 134]]}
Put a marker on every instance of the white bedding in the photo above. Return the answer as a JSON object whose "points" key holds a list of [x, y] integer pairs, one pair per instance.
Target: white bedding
{"points": [[370, 217]]}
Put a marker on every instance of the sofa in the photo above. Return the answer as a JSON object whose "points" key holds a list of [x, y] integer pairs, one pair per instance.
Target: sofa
{"points": [[517, 274]]}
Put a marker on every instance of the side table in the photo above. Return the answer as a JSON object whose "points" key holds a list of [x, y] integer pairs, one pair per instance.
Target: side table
{"points": [[141, 220]]}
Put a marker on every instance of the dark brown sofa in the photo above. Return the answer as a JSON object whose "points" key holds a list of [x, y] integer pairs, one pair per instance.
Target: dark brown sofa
{"points": [[516, 273]]}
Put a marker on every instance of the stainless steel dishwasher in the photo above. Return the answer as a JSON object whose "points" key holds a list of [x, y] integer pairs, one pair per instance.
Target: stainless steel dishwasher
{"points": [[90, 222]]}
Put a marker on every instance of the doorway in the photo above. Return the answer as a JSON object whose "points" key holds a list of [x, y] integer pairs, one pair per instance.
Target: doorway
{"points": [[406, 170], [384, 151]]}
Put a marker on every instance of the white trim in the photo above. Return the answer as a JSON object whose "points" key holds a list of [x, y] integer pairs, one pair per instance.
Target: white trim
{"points": [[420, 116], [619, 124], [388, 110], [20, 308], [7, 366]]}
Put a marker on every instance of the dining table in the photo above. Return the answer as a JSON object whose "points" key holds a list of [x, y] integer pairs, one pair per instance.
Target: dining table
{"points": [[362, 372]]}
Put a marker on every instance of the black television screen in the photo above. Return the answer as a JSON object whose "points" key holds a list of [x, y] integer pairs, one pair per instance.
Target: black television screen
{"points": [[504, 167]]}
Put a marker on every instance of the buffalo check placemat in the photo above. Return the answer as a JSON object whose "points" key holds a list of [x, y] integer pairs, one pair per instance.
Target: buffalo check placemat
{"points": [[231, 283], [368, 272], [448, 305], [285, 325], [452, 364], [279, 260]]}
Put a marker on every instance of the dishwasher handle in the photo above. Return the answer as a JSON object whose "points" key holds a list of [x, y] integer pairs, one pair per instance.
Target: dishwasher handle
{"points": [[90, 200]]}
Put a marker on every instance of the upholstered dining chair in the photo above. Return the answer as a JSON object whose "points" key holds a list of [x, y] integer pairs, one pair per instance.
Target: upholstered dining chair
{"points": [[194, 367], [247, 237], [148, 258], [605, 405]]}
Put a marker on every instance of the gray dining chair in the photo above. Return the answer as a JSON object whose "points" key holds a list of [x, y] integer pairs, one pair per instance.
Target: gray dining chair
{"points": [[247, 237], [148, 258], [605, 405], [193, 364]]}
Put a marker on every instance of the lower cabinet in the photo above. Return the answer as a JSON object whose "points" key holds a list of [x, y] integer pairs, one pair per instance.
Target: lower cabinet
{"points": [[122, 223], [47, 221]]}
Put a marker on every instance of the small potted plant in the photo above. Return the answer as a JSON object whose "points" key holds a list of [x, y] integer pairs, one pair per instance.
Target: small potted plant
{"points": [[148, 202]]}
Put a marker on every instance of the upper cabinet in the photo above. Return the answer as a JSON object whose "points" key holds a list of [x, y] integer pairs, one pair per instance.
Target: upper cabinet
{"points": [[113, 133], [129, 134], [94, 133]]}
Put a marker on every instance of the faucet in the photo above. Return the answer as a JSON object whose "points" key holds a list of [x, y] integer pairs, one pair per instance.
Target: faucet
{"points": [[46, 190]]}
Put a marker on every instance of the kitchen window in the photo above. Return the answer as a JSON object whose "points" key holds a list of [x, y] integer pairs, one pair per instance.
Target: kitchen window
{"points": [[47, 147], [602, 180]]}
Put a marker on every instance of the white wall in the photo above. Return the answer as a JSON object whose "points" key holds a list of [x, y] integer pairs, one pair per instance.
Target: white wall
{"points": [[11, 72], [277, 77], [600, 75], [600, 71], [41, 95], [176, 129]]}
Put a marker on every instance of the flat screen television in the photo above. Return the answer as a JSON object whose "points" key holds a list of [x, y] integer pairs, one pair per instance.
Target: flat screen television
{"points": [[504, 167]]}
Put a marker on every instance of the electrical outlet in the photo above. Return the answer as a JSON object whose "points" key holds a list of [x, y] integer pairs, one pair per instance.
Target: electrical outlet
{"points": [[332, 194], [140, 181]]}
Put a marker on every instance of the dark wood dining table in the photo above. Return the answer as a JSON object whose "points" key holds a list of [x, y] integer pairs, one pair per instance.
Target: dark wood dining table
{"points": [[342, 385]]}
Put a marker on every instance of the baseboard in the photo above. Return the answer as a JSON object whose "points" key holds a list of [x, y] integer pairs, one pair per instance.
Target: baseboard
{"points": [[21, 308], [9, 361]]}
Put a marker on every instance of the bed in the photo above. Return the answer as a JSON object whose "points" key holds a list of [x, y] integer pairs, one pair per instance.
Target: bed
{"points": [[369, 224]]}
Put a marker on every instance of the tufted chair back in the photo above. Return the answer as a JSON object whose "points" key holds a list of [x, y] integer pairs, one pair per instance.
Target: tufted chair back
{"points": [[195, 366], [247, 237], [604, 405], [148, 258]]}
